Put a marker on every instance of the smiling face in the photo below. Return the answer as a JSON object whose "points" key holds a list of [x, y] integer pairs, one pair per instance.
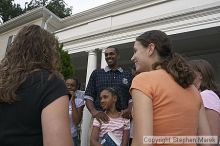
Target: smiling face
{"points": [[107, 100], [142, 57], [111, 57], [71, 85]]}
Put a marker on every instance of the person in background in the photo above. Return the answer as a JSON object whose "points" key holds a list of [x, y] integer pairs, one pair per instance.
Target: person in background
{"points": [[76, 106], [165, 103], [117, 125], [210, 93], [33, 94], [111, 76]]}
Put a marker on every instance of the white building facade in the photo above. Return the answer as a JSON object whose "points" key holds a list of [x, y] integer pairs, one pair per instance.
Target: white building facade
{"points": [[189, 23], [193, 25]]}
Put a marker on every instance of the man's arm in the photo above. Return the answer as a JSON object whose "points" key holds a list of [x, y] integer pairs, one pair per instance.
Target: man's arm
{"points": [[127, 112], [99, 115], [90, 93], [91, 107]]}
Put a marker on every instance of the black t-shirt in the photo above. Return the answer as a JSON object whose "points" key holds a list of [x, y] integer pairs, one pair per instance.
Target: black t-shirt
{"points": [[20, 122]]}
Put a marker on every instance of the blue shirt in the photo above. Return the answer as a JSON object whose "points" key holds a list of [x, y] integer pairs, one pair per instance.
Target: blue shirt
{"points": [[102, 78]]}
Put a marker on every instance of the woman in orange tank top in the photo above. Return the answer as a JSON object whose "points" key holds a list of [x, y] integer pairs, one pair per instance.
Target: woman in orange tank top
{"points": [[165, 103]]}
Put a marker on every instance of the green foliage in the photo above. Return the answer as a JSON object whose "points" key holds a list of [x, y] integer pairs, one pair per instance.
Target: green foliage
{"points": [[9, 10], [58, 7], [36, 3], [67, 68]]}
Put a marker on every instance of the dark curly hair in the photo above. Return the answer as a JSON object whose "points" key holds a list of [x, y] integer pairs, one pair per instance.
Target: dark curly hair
{"points": [[172, 62], [33, 49], [76, 80], [116, 49]]}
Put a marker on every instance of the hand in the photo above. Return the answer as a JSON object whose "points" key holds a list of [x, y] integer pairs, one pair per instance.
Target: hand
{"points": [[100, 116], [126, 113], [73, 96]]}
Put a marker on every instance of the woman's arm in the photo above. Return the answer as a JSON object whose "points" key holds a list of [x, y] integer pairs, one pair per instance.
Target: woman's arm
{"points": [[143, 117], [214, 122], [94, 141], [76, 113], [125, 138], [56, 124], [204, 129]]}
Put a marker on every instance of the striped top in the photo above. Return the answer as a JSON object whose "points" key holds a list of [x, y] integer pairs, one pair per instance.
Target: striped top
{"points": [[115, 125]]}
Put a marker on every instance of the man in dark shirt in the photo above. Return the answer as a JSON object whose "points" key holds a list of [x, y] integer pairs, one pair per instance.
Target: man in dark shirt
{"points": [[111, 76]]}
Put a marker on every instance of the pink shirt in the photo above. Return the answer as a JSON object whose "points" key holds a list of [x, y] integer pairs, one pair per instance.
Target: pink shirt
{"points": [[115, 125], [211, 100]]}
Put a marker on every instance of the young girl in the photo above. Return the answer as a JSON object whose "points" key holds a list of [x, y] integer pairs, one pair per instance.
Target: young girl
{"points": [[117, 125], [210, 93], [76, 106]]}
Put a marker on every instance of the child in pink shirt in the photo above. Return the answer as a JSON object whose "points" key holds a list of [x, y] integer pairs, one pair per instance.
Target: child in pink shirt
{"points": [[210, 93], [117, 125]]}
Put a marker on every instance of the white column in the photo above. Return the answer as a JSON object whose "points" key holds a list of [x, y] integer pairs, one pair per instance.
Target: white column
{"points": [[86, 119], [103, 62]]}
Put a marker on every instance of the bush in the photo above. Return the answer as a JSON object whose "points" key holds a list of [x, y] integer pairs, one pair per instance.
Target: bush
{"points": [[67, 68]]}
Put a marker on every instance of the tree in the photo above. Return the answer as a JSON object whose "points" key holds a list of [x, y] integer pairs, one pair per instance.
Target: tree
{"points": [[16, 10], [58, 7], [67, 68], [36, 3], [9, 10]]}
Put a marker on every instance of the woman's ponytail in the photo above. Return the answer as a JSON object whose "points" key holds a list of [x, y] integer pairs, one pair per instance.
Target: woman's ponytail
{"points": [[178, 67]]}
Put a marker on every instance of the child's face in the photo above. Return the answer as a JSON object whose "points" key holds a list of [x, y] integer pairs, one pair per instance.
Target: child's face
{"points": [[71, 85], [198, 80], [107, 100]]}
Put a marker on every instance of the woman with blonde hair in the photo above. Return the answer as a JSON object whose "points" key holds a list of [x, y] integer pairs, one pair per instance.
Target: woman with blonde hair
{"points": [[33, 96]]}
